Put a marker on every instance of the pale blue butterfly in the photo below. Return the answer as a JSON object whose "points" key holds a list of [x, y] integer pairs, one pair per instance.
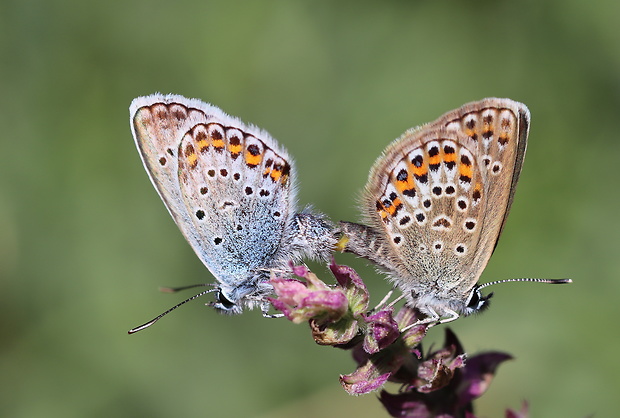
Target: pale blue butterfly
{"points": [[231, 190]]}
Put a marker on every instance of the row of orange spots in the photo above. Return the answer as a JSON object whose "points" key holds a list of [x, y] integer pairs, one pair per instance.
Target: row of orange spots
{"points": [[419, 166], [253, 155], [207, 135], [203, 138]]}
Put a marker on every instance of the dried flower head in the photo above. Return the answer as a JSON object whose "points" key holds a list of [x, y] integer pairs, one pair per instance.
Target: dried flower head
{"points": [[443, 382]]}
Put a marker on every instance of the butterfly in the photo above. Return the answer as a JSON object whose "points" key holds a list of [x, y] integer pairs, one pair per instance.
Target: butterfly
{"points": [[436, 202], [230, 188]]}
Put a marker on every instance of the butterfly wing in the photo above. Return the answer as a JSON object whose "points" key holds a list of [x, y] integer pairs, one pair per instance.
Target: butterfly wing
{"points": [[227, 185], [503, 126], [437, 199]]}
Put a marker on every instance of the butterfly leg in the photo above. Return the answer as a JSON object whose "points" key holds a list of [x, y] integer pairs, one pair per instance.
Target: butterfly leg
{"points": [[395, 301], [265, 310], [268, 315], [388, 295], [433, 319], [452, 317]]}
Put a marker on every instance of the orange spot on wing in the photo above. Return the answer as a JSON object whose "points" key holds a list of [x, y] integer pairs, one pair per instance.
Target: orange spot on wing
{"points": [[419, 171], [385, 216], [190, 155], [235, 149], [202, 143], [253, 160], [503, 138], [393, 208], [465, 170], [216, 137], [477, 192], [449, 158], [218, 144], [276, 174], [402, 185]]}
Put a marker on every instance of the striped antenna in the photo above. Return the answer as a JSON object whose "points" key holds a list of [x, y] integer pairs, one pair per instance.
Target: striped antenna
{"points": [[158, 317], [549, 281]]}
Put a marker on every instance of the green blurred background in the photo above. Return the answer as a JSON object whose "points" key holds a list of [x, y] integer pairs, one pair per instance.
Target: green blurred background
{"points": [[85, 241]]}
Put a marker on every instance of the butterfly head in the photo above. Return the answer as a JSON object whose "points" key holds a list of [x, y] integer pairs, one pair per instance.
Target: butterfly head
{"points": [[476, 301], [226, 304], [233, 299]]}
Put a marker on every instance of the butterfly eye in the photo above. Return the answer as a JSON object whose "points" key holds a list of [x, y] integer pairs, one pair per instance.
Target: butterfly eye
{"points": [[474, 299], [477, 302], [225, 303]]}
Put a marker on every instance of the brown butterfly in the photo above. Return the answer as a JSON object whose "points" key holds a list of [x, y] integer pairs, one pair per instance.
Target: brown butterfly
{"points": [[436, 202]]}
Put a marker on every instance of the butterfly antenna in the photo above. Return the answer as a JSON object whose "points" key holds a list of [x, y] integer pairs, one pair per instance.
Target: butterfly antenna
{"points": [[158, 317], [178, 289], [526, 279]]}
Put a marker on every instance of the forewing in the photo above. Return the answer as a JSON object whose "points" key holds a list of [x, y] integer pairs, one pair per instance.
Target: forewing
{"points": [[441, 193], [227, 185]]}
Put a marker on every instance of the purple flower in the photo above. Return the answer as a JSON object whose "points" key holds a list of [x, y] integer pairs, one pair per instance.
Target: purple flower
{"points": [[445, 384], [381, 331], [366, 378], [333, 312], [312, 300], [354, 288], [441, 383], [393, 356]]}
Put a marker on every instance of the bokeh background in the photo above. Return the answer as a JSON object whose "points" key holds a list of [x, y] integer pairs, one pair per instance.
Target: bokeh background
{"points": [[85, 241]]}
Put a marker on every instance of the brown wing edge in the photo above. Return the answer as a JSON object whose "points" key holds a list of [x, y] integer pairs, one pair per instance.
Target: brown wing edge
{"points": [[523, 117]]}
